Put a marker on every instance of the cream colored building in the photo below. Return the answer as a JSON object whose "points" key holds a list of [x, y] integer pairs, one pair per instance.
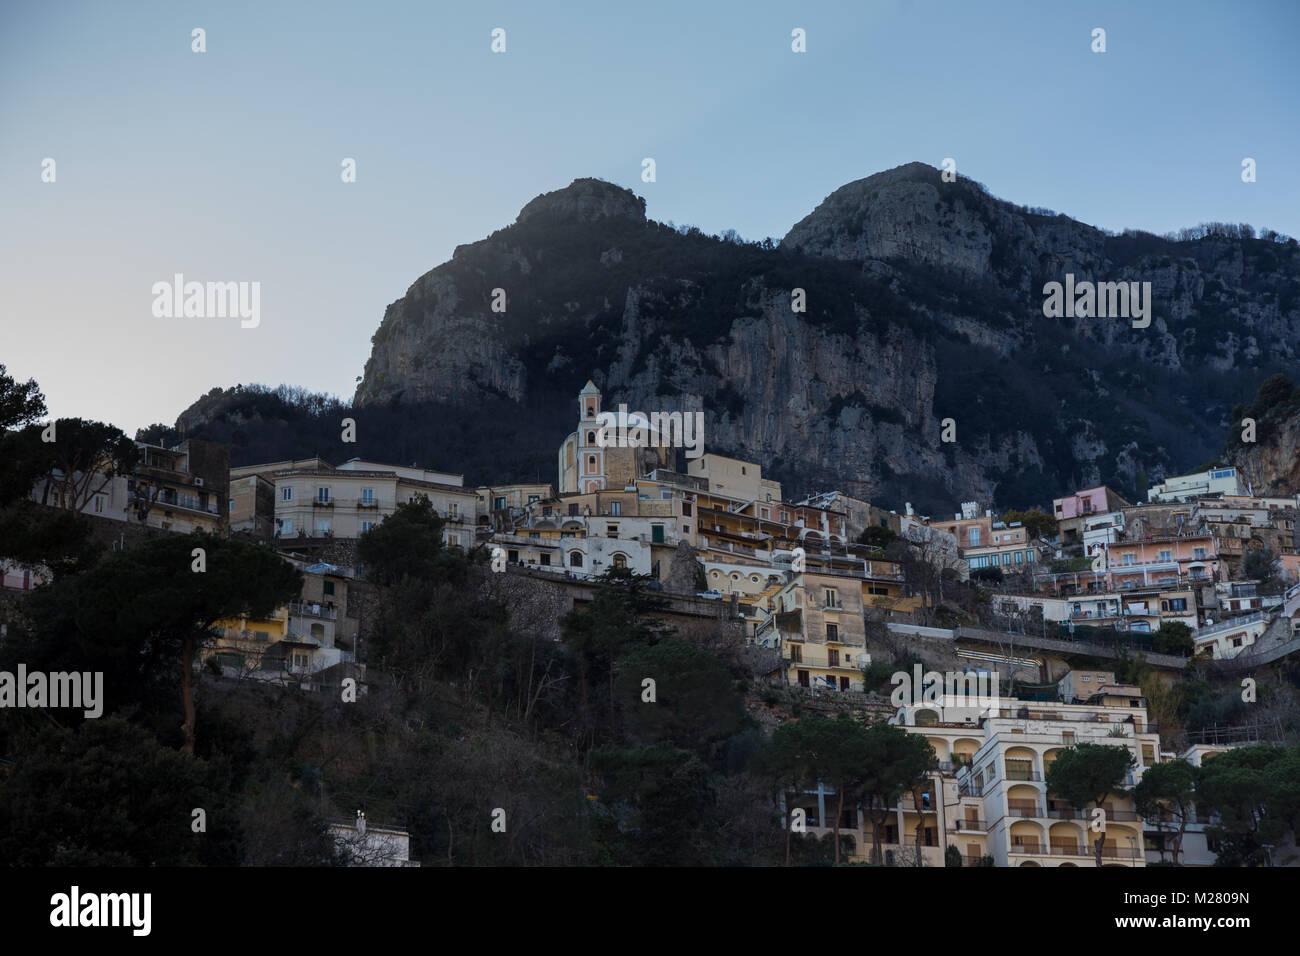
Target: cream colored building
{"points": [[1000, 757], [315, 499], [741, 480], [820, 630], [587, 462]]}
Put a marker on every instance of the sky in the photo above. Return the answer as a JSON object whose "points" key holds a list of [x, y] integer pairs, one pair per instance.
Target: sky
{"points": [[225, 165]]}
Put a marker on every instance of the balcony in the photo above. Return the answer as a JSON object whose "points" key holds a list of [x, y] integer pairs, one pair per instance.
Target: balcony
{"points": [[317, 503], [298, 609], [1024, 810], [970, 826], [1066, 849], [1020, 776], [1028, 848]]}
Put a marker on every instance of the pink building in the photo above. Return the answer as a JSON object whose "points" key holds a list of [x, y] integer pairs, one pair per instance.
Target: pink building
{"points": [[1097, 500]]}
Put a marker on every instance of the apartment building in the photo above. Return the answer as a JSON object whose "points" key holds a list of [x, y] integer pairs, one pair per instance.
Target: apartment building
{"points": [[314, 499], [300, 640], [1215, 481], [820, 630], [1009, 549], [1162, 560], [1000, 756], [181, 489]]}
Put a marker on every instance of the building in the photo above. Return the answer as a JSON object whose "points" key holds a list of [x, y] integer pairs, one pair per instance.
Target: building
{"points": [[314, 499], [590, 461], [363, 844], [181, 489], [1215, 481], [820, 629], [1000, 756]]}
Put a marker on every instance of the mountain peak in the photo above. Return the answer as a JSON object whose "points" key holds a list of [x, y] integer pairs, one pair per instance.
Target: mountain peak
{"points": [[587, 200]]}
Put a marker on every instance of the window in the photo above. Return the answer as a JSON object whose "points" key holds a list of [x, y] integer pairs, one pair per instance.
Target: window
{"points": [[512, 556], [99, 504], [833, 658], [533, 498], [833, 634], [974, 536], [1020, 557], [591, 464], [453, 509], [327, 587], [796, 653], [575, 559], [286, 494], [1128, 558], [323, 526], [1164, 555], [453, 540], [286, 528], [686, 509], [620, 561], [1198, 553], [499, 503], [545, 559], [611, 531], [262, 637], [832, 597], [366, 526], [616, 507], [323, 495]]}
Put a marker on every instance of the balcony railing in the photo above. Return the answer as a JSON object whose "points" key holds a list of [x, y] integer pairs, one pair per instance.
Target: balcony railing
{"points": [[1023, 775], [313, 610], [1025, 810], [969, 826], [1229, 625], [1028, 848], [1066, 849]]}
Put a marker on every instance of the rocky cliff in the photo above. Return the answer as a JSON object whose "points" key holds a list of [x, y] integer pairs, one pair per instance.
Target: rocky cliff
{"points": [[924, 302]]}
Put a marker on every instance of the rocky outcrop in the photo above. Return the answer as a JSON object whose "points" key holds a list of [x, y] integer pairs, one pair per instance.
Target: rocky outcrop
{"points": [[924, 304]]}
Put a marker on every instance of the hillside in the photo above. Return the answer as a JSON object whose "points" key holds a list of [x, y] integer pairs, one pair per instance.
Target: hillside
{"points": [[924, 301]]}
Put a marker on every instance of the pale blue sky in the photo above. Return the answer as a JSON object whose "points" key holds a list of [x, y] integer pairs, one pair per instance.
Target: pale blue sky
{"points": [[225, 165]]}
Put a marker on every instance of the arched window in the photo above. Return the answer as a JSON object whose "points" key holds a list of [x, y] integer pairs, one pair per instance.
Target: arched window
{"points": [[575, 559], [591, 462], [591, 438], [926, 718], [620, 561]]}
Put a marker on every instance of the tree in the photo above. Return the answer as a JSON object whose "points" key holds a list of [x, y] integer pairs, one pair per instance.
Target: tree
{"points": [[952, 856], [1261, 564], [896, 762], [107, 793], [20, 403], [143, 612], [1167, 788], [408, 543], [837, 753], [1037, 522], [877, 536], [1089, 773], [82, 461], [1174, 637], [60, 541], [1253, 792]]}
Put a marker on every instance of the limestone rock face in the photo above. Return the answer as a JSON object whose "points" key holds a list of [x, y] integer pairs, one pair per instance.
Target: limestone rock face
{"points": [[924, 302]]}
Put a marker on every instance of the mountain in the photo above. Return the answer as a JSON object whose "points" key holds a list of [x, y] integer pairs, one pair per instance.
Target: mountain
{"points": [[1264, 439], [924, 302]]}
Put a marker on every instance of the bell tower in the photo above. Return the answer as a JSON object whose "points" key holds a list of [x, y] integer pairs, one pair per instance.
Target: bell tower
{"points": [[591, 456]]}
